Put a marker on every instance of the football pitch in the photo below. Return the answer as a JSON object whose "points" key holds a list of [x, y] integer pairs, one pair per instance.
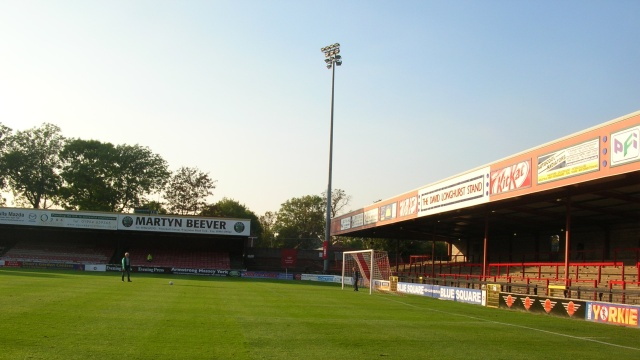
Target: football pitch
{"points": [[78, 315]]}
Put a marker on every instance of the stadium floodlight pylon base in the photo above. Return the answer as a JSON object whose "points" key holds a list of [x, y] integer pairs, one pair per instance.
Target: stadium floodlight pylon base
{"points": [[372, 265]]}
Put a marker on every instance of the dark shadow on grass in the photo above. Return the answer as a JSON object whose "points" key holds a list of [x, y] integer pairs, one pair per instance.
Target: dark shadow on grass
{"points": [[46, 273], [29, 273]]}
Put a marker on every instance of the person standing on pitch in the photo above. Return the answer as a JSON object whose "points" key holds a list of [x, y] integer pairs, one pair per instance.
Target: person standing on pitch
{"points": [[126, 266], [356, 278]]}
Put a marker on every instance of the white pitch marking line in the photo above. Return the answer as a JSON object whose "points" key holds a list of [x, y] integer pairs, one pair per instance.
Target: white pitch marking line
{"points": [[519, 326]]}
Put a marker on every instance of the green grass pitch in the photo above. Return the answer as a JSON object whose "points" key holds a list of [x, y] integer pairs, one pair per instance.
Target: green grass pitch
{"points": [[76, 315]]}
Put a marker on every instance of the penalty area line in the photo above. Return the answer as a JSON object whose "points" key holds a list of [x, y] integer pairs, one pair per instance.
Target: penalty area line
{"points": [[516, 326]]}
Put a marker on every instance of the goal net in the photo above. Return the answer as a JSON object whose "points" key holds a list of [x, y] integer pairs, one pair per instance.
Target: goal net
{"points": [[372, 267]]}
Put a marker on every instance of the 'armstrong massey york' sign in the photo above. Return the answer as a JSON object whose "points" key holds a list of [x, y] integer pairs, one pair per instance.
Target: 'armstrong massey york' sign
{"points": [[189, 225]]}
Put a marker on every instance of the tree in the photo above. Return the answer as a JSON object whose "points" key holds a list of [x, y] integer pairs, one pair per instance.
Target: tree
{"points": [[139, 172], [187, 191], [339, 200], [300, 222], [4, 133], [268, 239], [88, 174], [154, 206], [232, 209], [102, 177], [32, 164]]}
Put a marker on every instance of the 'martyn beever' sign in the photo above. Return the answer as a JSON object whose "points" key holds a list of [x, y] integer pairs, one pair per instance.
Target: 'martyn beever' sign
{"points": [[190, 225]]}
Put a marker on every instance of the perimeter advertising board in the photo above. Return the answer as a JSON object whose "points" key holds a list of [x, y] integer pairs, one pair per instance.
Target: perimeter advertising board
{"points": [[322, 278], [469, 296], [175, 224], [615, 314], [175, 270], [469, 189], [543, 304]]}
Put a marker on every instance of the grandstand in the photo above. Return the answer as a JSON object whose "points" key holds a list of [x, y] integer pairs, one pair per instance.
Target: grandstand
{"points": [[75, 252], [41, 245], [560, 215], [193, 255]]}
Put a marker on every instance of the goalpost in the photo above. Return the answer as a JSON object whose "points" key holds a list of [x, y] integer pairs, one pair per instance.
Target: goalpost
{"points": [[372, 265]]}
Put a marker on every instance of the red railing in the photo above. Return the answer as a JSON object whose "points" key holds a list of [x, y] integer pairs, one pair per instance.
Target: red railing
{"points": [[522, 271]]}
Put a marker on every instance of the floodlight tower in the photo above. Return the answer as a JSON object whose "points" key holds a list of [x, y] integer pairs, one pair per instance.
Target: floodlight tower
{"points": [[332, 59]]}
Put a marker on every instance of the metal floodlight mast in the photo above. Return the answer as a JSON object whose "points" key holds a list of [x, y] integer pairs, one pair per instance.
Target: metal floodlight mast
{"points": [[332, 59]]}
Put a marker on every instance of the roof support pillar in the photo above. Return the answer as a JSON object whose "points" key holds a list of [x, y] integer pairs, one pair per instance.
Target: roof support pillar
{"points": [[567, 242], [484, 248]]}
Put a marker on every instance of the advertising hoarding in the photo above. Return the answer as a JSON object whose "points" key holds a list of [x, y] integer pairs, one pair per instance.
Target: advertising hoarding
{"points": [[175, 224], [371, 216], [625, 146], [543, 304], [388, 212], [357, 220], [514, 177], [571, 161], [462, 191], [615, 314], [408, 206]]}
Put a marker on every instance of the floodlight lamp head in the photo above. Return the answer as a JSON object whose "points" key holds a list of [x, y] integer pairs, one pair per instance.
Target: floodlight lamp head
{"points": [[339, 62], [328, 66]]}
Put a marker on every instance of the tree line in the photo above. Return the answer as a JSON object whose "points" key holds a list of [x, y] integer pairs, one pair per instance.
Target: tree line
{"points": [[43, 169]]}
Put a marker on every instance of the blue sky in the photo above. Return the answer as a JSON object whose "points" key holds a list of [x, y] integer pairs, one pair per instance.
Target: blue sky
{"points": [[427, 90]]}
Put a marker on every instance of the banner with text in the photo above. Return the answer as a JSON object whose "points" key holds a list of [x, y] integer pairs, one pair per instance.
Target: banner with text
{"points": [[514, 177], [575, 160], [467, 190], [63, 219], [615, 314], [190, 225], [135, 222], [469, 296]]}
